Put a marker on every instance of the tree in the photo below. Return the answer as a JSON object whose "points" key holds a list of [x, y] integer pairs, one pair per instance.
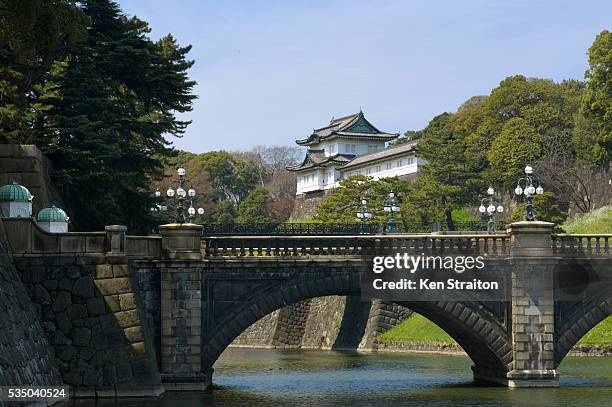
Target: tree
{"points": [[341, 205], [34, 35], [448, 180], [518, 144], [253, 207], [113, 104], [546, 208], [597, 102], [232, 178], [225, 212]]}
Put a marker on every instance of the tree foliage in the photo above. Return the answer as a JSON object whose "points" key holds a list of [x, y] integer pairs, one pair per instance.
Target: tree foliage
{"points": [[343, 202], [34, 35], [597, 101], [114, 101], [88, 86], [254, 207], [546, 208]]}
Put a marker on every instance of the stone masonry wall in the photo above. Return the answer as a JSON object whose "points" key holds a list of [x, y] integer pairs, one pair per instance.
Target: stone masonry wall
{"points": [[147, 284], [305, 206], [260, 334], [323, 323], [26, 165], [291, 325], [25, 355], [92, 318], [383, 316]]}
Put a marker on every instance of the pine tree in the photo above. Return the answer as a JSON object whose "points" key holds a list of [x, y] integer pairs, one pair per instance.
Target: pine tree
{"points": [[115, 99]]}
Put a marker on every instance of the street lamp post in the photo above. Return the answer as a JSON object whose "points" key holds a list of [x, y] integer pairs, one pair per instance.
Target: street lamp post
{"points": [[490, 209], [524, 186], [180, 194], [363, 214], [391, 207]]}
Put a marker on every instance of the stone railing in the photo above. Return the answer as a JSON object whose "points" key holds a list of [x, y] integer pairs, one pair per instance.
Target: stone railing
{"points": [[143, 247], [26, 237], [587, 244], [275, 246]]}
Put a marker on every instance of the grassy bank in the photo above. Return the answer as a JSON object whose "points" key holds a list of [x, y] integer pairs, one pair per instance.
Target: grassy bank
{"points": [[419, 330], [597, 221]]}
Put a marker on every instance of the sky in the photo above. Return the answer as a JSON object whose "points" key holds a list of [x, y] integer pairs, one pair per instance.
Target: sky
{"points": [[269, 72]]}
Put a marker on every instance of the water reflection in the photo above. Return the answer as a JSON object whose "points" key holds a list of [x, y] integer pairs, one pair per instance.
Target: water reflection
{"points": [[245, 377]]}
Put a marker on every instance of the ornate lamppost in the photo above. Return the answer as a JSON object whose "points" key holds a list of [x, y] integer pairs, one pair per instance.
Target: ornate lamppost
{"points": [[180, 195], [363, 214], [391, 206], [524, 186], [490, 209]]}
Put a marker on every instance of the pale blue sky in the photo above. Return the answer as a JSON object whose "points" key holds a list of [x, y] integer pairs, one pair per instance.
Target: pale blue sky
{"points": [[270, 71]]}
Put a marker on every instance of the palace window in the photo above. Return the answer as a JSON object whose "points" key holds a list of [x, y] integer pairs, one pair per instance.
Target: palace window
{"points": [[332, 149], [399, 163], [389, 166], [368, 171], [378, 168]]}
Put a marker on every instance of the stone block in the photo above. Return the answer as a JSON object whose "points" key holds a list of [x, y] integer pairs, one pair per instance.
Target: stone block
{"points": [[95, 306], [81, 336], [83, 287], [41, 294], [66, 284], [127, 302], [104, 271], [114, 286], [127, 319], [112, 303], [134, 334], [77, 311], [120, 270], [64, 322], [63, 299]]}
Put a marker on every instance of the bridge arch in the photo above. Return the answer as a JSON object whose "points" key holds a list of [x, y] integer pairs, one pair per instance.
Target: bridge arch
{"points": [[583, 317], [476, 330]]}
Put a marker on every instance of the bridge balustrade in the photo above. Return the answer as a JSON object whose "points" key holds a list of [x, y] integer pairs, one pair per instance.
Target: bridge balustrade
{"points": [[587, 244], [290, 246]]}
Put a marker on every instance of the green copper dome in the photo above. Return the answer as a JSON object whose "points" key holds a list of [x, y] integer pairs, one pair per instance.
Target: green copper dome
{"points": [[15, 192], [52, 214]]}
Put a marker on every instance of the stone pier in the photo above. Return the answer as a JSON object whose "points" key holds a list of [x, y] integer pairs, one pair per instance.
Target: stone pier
{"points": [[533, 314], [181, 309]]}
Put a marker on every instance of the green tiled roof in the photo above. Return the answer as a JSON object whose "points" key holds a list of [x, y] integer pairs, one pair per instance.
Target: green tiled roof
{"points": [[52, 214], [15, 192]]}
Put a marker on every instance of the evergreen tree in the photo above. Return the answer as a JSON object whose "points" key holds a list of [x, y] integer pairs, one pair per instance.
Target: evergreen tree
{"points": [[34, 35], [115, 99], [597, 102], [253, 207]]}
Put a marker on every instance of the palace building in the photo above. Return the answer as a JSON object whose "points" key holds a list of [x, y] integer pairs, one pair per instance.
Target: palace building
{"points": [[348, 146]]}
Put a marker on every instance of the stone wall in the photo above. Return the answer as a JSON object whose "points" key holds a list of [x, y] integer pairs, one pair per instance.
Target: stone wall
{"points": [[334, 322], [291, 325], [26, 165], [323, 323], [25, 355], [305, 205], [260, 334], [92, 319]]}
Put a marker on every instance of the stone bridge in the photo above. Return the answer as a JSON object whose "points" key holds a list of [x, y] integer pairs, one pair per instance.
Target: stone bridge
{"points": [[169, 305]]}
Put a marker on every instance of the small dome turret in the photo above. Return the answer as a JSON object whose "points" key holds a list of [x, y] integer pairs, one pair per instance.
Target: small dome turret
{"points": [[14, 192], [52, 214]]}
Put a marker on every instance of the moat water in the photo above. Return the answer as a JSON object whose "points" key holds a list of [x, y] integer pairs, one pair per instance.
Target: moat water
{"points": [[254, 377]]}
